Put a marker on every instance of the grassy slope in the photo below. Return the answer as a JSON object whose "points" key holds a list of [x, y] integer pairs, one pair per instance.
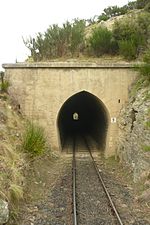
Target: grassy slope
{"points": [[12, 160]]}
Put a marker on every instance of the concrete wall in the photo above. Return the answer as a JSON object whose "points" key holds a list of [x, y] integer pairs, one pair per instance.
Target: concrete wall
{"points": [[41, 90]]}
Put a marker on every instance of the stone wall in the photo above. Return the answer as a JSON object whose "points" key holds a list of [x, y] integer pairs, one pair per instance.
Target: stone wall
{"points": [[134, 138]]}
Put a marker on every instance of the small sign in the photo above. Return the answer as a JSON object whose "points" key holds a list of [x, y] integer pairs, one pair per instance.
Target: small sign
{"points": [[113, 119]]}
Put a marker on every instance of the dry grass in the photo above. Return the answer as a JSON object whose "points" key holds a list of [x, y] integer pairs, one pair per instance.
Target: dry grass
{"points": [[12, 159], [11, 175]]}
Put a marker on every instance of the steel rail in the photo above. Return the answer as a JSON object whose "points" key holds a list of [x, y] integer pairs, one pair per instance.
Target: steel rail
{"points": [[74, 186], [104, 187]]}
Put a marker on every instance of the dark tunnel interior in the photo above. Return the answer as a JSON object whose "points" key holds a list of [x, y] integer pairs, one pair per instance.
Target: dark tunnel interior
{"points": [[83, 114]]}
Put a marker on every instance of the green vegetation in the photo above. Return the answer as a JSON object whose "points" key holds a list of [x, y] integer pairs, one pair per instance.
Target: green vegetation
{"points": [[147, 94], [136, 86], [129, 36], [113, 11], [147, 7], [147, 124], [34, 141], [100, 41], [144, 69], [67, 41], [4, 84], [132, 35], [140, 4], [127, 48], [146, 148]]}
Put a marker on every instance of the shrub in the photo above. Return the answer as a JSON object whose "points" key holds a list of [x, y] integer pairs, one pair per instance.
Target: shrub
{"points": [[147, 7], [146, 57], [34, 140], [144, 69], [143, 26], [100, 41], [132, 34], [127, 34], [58, 41], [4, 86], [128, 49], [103, 17]]}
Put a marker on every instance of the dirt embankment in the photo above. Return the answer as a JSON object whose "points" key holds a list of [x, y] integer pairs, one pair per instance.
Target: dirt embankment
{"points": [[12, 159]]}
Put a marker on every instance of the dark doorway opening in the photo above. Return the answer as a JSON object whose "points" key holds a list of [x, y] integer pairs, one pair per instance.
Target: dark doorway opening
{"points": [[83, 114]]}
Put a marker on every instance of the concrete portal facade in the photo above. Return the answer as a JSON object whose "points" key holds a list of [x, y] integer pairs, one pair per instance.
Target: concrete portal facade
{"points": [[41, 90]]}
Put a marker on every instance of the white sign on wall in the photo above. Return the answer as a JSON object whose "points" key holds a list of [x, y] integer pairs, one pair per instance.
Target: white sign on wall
{"points": [[113, 119]]}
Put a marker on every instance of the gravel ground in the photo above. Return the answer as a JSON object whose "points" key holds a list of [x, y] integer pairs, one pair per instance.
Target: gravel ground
{"points": [[92, 204], [124, 197], [54, 205], [56, 208], [51, 189]]}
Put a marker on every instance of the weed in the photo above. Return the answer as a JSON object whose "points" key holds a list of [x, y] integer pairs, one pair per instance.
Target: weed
{"points": [[4, 86], [34, 140], [146, 148], [128, 49], [136, 86], [147, 124], [16, 193], [147, 96], [145, 71]]}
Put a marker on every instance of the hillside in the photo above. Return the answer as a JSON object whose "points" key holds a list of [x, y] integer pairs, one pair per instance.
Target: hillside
{"points": [[110, 22], [123, 34]]}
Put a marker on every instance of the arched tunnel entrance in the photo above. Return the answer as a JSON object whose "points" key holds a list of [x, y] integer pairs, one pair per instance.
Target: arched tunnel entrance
{"points": [[83, 114]]}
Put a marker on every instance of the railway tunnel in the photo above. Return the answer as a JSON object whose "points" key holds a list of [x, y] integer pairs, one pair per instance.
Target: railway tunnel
{"points": [[83, 114]]}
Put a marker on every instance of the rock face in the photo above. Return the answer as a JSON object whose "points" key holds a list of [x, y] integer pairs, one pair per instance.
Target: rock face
{"points": [[4, 212], [134, 137]]}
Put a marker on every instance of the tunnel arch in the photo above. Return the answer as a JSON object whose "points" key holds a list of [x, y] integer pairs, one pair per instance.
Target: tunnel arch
{"points": [[83, 114]]}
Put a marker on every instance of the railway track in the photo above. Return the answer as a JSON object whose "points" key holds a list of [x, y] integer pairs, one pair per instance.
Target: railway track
{"points": [[92, 203]]}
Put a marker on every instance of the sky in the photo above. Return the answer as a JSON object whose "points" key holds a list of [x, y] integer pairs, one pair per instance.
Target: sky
{"points": [[23, 18]]}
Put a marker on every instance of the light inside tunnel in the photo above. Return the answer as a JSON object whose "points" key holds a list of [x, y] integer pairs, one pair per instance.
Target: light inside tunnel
{"points": [[83, 114]]}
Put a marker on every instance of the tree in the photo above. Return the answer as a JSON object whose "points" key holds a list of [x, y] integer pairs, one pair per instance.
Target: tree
{"points": [[132, 5], [112, 11], [103, 17], [142, 3]]}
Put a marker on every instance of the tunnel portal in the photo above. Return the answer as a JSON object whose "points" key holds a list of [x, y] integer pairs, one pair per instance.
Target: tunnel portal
{"points": [[83, 114]]}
